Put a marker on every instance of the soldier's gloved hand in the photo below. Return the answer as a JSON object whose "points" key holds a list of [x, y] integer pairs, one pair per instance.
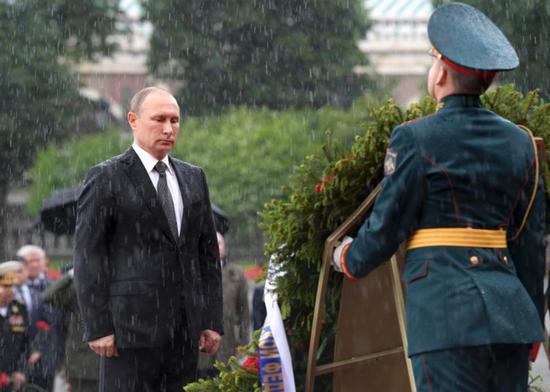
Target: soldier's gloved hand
{"points": [[337, 254]]}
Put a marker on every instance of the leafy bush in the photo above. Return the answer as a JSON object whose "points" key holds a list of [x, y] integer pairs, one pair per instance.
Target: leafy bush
{"points": [[248, 155], [234, 376]]}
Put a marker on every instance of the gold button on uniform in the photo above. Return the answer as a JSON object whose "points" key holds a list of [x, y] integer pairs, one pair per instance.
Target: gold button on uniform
{"points": [[474, 260]]}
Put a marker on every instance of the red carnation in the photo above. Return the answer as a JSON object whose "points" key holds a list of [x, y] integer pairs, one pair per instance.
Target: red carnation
{"points": [[4, 380], [252, 364], [320, 186]]}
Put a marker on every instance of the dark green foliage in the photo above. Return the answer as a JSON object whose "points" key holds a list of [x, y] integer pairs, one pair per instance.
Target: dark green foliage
{"points": [[525, 23], [37, 91], [234, 377], [327, 188], [39, 95], [278, 54], [84, 27], [248, 155]]}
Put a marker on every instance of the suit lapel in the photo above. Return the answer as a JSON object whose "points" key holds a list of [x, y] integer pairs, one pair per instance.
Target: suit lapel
{"points": [[144, 187], [185, 195]]}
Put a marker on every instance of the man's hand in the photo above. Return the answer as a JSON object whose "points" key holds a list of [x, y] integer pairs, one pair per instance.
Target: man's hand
{"points": [[18, 380], [337, 255], [105, 346], [209, 341], [34, 358]]}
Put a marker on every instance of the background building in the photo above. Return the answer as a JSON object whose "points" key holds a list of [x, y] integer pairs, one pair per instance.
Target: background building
{"points": [[119, 76], [397, 45]]}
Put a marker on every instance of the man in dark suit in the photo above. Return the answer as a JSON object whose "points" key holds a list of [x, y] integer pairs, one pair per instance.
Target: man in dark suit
{"points": [[463, 187], [147, 274]]}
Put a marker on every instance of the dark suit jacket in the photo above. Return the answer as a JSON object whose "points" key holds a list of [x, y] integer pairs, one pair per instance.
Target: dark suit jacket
{"points": [[132, 277], [464, 166]]}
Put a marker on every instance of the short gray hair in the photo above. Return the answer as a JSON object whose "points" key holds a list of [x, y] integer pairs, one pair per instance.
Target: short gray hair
{"points": [[139, 97], [29, 250]]}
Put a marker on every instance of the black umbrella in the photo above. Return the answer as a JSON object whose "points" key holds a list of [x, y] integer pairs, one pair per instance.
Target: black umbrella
{"points": [[58, 212]]}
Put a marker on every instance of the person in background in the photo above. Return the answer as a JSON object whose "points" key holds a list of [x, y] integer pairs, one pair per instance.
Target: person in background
{"points": [[259, 311], [44, 362], [236, 314], [14, 331], [38, 323], [36, 263], [24, 294]]}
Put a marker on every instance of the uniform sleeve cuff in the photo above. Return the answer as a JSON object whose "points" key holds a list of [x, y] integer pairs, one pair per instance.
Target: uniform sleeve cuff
{"points": [[343, 263]]}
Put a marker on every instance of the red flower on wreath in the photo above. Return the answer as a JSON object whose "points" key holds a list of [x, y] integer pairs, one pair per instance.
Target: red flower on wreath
{"points": [[252, 364], [4, 380], [320, 186]]}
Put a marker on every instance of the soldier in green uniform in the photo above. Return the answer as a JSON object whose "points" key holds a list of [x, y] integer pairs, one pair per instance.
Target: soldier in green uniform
{"points": [[14, 339], [463, 188]]}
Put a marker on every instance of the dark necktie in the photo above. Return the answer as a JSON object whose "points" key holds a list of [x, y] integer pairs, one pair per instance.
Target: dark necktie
{"points": [[166, 198]]}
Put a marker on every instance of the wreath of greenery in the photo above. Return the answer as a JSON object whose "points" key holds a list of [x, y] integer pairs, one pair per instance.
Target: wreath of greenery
{"points": [[323, 192]]}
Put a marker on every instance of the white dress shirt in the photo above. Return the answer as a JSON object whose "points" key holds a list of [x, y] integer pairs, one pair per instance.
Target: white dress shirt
{"points": [[149, 163]]}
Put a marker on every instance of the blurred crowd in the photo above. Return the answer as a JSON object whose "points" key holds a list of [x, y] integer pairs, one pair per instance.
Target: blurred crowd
{"points": [[41, 328]]}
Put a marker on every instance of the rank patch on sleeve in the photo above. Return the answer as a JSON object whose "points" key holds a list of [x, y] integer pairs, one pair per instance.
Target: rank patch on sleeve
{"points": [[390, 162]]}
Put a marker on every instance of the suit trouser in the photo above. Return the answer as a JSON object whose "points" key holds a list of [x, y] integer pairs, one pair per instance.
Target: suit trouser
{"points": [[156, 369], [499, 367]]}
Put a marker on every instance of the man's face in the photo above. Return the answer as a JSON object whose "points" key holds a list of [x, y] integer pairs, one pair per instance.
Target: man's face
{"points": [[6, 295], [157, 124], [35, 265]]}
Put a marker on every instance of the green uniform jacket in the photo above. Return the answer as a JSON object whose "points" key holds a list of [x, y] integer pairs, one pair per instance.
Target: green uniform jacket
{"points": [[463, 166]]}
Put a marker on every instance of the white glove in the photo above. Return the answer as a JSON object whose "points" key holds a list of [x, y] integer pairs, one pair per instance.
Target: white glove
{"points": [[337, 255]]}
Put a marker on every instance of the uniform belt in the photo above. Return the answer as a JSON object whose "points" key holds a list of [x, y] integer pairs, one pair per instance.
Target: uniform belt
{"points": [[457, 236]]}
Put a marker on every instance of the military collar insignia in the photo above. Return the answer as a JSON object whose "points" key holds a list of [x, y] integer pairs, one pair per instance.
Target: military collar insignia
{"points": [[390, 162]]}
